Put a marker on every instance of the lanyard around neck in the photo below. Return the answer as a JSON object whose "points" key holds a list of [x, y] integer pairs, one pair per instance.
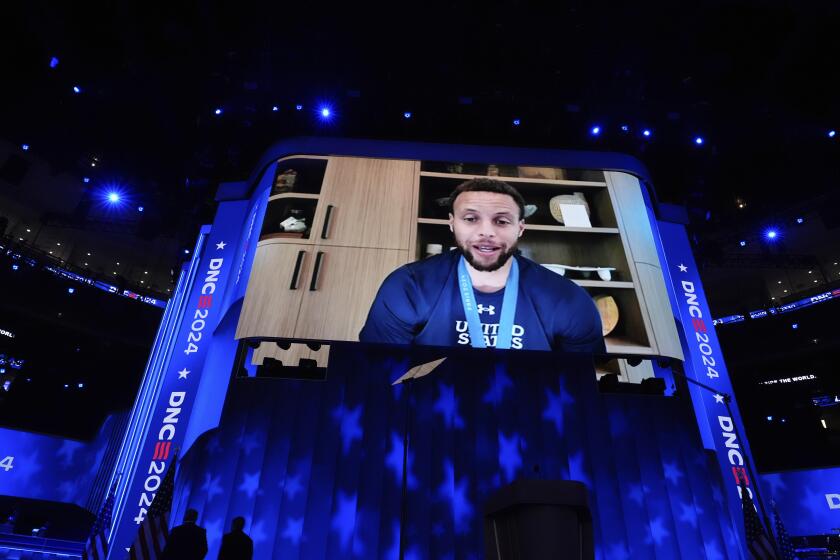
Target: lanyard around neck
{"points": [[505, 333]]}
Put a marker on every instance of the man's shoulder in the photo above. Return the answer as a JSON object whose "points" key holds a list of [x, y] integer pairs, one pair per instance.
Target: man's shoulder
{"points": [[432, 268]]}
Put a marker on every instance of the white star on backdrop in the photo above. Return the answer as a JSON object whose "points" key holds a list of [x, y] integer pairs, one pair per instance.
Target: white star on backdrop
{"points": [[183, 373], [220, 245], [719, 399], [683, 268]]}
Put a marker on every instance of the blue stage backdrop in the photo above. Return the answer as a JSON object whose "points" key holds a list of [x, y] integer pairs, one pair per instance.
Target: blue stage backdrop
{"points": [[53, 468], [317, 467], [808, 501]]}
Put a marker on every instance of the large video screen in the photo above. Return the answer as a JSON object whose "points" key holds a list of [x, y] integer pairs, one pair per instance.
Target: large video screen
{"points": [[457, 254]]}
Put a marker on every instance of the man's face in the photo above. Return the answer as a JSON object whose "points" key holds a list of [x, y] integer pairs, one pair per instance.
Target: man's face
{"points": [[486, 227]]}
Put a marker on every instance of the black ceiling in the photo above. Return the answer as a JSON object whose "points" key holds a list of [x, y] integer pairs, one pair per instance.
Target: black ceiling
{"points": [[757, 80]]}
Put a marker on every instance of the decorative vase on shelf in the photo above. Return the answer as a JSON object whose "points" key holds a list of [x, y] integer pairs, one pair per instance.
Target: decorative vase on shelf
{"points": [[577, 198], [284, 182]]}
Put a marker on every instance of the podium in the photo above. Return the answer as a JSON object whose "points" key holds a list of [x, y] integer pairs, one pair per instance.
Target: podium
{"points": [[539, 519]]}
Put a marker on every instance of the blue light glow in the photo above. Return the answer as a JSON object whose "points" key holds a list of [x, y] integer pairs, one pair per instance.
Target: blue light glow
{"points": [[771, 234], [698, 140], [53, 62], [596, 130], [77, 89], [516, 122], [769, 418], [71, 290], [800, 220], [186, 251], [832, 133], [795, 326], [743, 243], [113, 197], [86, 180], [81, 385], [275, 108], [298, 107], [15, 267], [625, 128], [218, 111], [325, 112], [24, 147], [407, 115], [139, 208], [646, 133]]}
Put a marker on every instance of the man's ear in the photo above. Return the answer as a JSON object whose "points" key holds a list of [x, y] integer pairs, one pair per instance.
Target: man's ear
{"points": [[521, 227], [451, 222]]}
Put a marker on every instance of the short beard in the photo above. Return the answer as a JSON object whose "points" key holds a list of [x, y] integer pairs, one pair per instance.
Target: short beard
{"points": [[504, 256]]}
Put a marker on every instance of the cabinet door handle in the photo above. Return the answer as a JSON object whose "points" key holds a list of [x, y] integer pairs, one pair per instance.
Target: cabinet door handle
{"points": [[326, 227], [313, 285], [296, 273]]}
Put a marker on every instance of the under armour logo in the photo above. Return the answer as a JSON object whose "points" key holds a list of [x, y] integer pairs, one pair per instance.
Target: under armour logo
{"points": [[491, 309]]}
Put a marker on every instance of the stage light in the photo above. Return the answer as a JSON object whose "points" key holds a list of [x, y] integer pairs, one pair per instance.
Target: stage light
{"points": [[646, 133], [28, 230], [113, 197], [186, 251], [15, 267], [832, 133], [810, 272], [595, 131], [77, 89], [783, 420], [88, 254], [81, 385], [795, 326], [698, 140], [407, 115], [71, 290], [66, 385], [625, 128], [24, 147], [139, 208], [298, 107], [516, 122], [218, 111], [743, 243], [275, 108], [771, 234], [325, 112], [769, 418], [86, 180], [58, 244], [53, 62], [800, 220]]}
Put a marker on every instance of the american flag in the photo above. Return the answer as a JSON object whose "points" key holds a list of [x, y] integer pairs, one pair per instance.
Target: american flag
{"points": [[759, 546], [97, 543], [782, 537], [154, 531]]}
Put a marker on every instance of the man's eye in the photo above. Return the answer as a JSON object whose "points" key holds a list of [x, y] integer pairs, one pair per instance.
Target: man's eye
{"points": [[469, 218], [503, 222]]}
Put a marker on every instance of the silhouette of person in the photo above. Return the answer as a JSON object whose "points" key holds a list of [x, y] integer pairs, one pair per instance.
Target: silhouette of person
{"points": [[187, 541], [236, 545]]}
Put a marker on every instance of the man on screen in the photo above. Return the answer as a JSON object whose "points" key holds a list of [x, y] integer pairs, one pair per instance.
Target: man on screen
{"points": [[484, 294]]}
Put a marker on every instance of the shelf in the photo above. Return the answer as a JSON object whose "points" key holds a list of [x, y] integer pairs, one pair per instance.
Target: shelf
{"points": [[533, 227], [293, 195], [562, 182], [603, 284], [621, 345]]}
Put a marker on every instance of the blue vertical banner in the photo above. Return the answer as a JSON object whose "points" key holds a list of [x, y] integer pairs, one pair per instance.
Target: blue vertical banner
{"points": [[704, 363], [170, 412]]}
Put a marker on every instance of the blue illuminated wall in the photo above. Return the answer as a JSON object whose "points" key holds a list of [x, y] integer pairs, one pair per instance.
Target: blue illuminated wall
{"points": [[316, 467], [808, 501], [55, 468]]}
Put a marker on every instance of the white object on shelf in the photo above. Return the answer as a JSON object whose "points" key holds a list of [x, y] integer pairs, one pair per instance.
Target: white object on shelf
{"points": [[604, 272], [575, 215]]}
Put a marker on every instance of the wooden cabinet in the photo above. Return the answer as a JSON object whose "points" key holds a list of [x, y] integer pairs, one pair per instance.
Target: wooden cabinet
{"points": [[275, 290], [320, 284], [367, 203], [337, 300]]}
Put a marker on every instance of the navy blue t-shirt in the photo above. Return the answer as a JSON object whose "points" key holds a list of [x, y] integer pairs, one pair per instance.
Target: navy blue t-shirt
{"points": [[419, 303]]}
